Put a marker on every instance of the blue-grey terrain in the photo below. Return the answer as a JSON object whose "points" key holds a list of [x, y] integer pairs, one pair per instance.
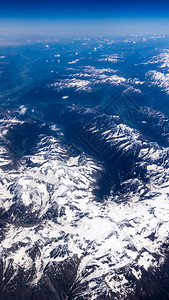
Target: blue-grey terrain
{"points": [[84, 169]]}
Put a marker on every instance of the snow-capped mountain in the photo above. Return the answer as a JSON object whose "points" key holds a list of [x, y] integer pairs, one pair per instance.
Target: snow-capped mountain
{"points": [[87, 219]]}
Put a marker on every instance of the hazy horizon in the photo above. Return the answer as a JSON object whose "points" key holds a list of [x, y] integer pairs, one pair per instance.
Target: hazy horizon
{"points": [[71, 18]]}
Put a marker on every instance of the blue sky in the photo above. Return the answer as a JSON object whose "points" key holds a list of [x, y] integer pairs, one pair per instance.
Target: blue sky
{"points": [[76, 16], [85, 9]]}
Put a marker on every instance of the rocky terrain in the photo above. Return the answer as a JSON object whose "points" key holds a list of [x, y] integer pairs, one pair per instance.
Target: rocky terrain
{"points": [[86, 218]]}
